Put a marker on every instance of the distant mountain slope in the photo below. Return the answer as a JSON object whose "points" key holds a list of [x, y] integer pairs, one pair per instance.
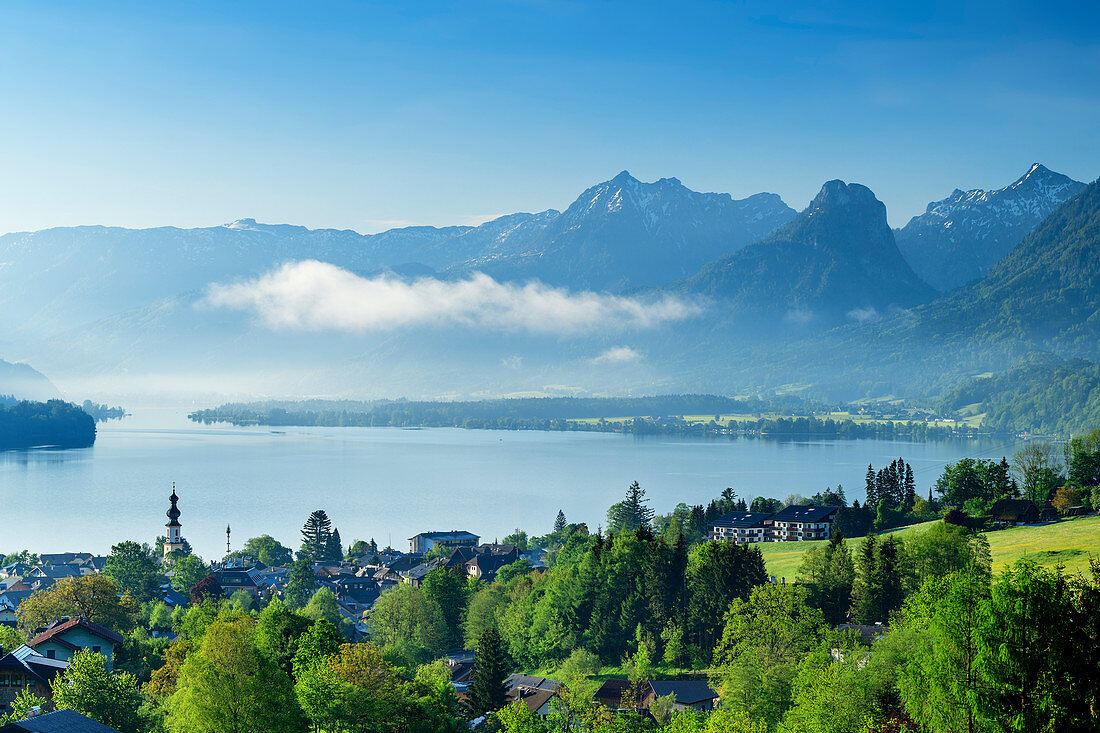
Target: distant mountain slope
{"points": [[835, 261], [23, 382], [960, 238], [625, 233]]}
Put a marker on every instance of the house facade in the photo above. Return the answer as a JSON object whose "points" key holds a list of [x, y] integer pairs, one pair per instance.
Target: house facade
{"points": [[62, 639]]}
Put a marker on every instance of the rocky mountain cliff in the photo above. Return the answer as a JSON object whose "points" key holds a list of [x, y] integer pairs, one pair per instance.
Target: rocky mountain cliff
{"points": [[835, 261]]}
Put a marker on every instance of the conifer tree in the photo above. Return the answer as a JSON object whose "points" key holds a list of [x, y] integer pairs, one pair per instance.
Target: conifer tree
{"points": [[334, 551], [559, 522], [316, 533], [872, 487], [487, 692]]}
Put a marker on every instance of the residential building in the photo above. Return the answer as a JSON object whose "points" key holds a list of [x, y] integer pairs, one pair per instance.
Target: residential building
{"points": [[63, 638], [801, 522], [742, 527], [25, 669], [425, 541], [535, 692]]}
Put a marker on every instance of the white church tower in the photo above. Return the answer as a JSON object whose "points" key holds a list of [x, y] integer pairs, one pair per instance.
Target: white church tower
{"points": [[173, 540]]}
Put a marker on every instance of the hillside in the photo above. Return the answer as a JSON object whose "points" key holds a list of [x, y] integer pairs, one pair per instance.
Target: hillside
{"points": [[958, 239], [1068, 542], [1041, 394]]}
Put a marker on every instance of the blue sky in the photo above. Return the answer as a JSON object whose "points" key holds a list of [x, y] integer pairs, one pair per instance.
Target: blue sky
{"points": [[365, 115]]}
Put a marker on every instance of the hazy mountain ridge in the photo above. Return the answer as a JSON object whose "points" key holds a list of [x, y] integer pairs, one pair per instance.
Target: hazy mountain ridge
{"points": [[958, 239], [25, 383]]}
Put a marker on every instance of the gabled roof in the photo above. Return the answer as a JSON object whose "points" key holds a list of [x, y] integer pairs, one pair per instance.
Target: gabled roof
{"points": [[741, 520], [58, 628], [27, 660], [60, 721], [687, 692], [56, 571], [804, 513]]}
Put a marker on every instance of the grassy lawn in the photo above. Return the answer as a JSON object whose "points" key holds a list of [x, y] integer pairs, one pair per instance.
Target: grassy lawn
{"points": [[1069, 542]]}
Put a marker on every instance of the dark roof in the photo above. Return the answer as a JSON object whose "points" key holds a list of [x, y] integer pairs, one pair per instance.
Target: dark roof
{"points": [[58, 571], [61, 558], [687, 692], [867, 632], [60, 627], [1012, 508], [741, 519], [804, 513], [529, 682], [61, 721], [454, 534]]}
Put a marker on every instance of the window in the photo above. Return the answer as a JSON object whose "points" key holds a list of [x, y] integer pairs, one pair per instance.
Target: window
{"points": [[17, 680], [97, 650], [3, 680], [51, 654]]}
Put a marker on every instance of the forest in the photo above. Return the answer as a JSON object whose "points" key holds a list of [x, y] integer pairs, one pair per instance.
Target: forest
{"points": [[54, 424], [636, 416]]}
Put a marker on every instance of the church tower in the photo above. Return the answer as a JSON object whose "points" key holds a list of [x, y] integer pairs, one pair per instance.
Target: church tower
{"points": [[173, 540]]}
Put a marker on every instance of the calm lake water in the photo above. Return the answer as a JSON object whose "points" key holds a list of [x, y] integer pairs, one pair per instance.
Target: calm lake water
{"points": [[389, 483]]}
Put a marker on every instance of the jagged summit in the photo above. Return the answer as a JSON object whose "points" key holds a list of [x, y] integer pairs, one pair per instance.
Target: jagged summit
{"points": [[959, 238]]}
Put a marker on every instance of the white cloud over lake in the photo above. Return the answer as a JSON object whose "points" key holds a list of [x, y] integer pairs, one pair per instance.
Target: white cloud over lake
{"points": [[317, 296]]}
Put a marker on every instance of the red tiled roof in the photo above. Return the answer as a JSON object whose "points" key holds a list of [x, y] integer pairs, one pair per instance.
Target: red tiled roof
{"points": [[60, 627]]}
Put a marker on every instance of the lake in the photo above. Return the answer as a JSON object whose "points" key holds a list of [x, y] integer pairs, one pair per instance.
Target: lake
{"points": [[390, 483]]}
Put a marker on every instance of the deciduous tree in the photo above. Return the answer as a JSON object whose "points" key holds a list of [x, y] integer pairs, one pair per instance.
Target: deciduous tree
{"points": [[95, 597]]}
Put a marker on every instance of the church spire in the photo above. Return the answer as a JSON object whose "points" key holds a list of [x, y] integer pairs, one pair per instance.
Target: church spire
{"points": [[173, 539]]}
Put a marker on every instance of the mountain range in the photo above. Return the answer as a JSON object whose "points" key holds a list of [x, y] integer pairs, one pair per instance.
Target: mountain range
{"points": [[829, 301]]}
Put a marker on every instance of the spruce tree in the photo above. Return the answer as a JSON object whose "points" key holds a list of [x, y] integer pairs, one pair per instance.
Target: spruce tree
{"points": [[869, 592], [872, 487], [487, 691], [910, 490], [315, 536], [559, 522]]}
